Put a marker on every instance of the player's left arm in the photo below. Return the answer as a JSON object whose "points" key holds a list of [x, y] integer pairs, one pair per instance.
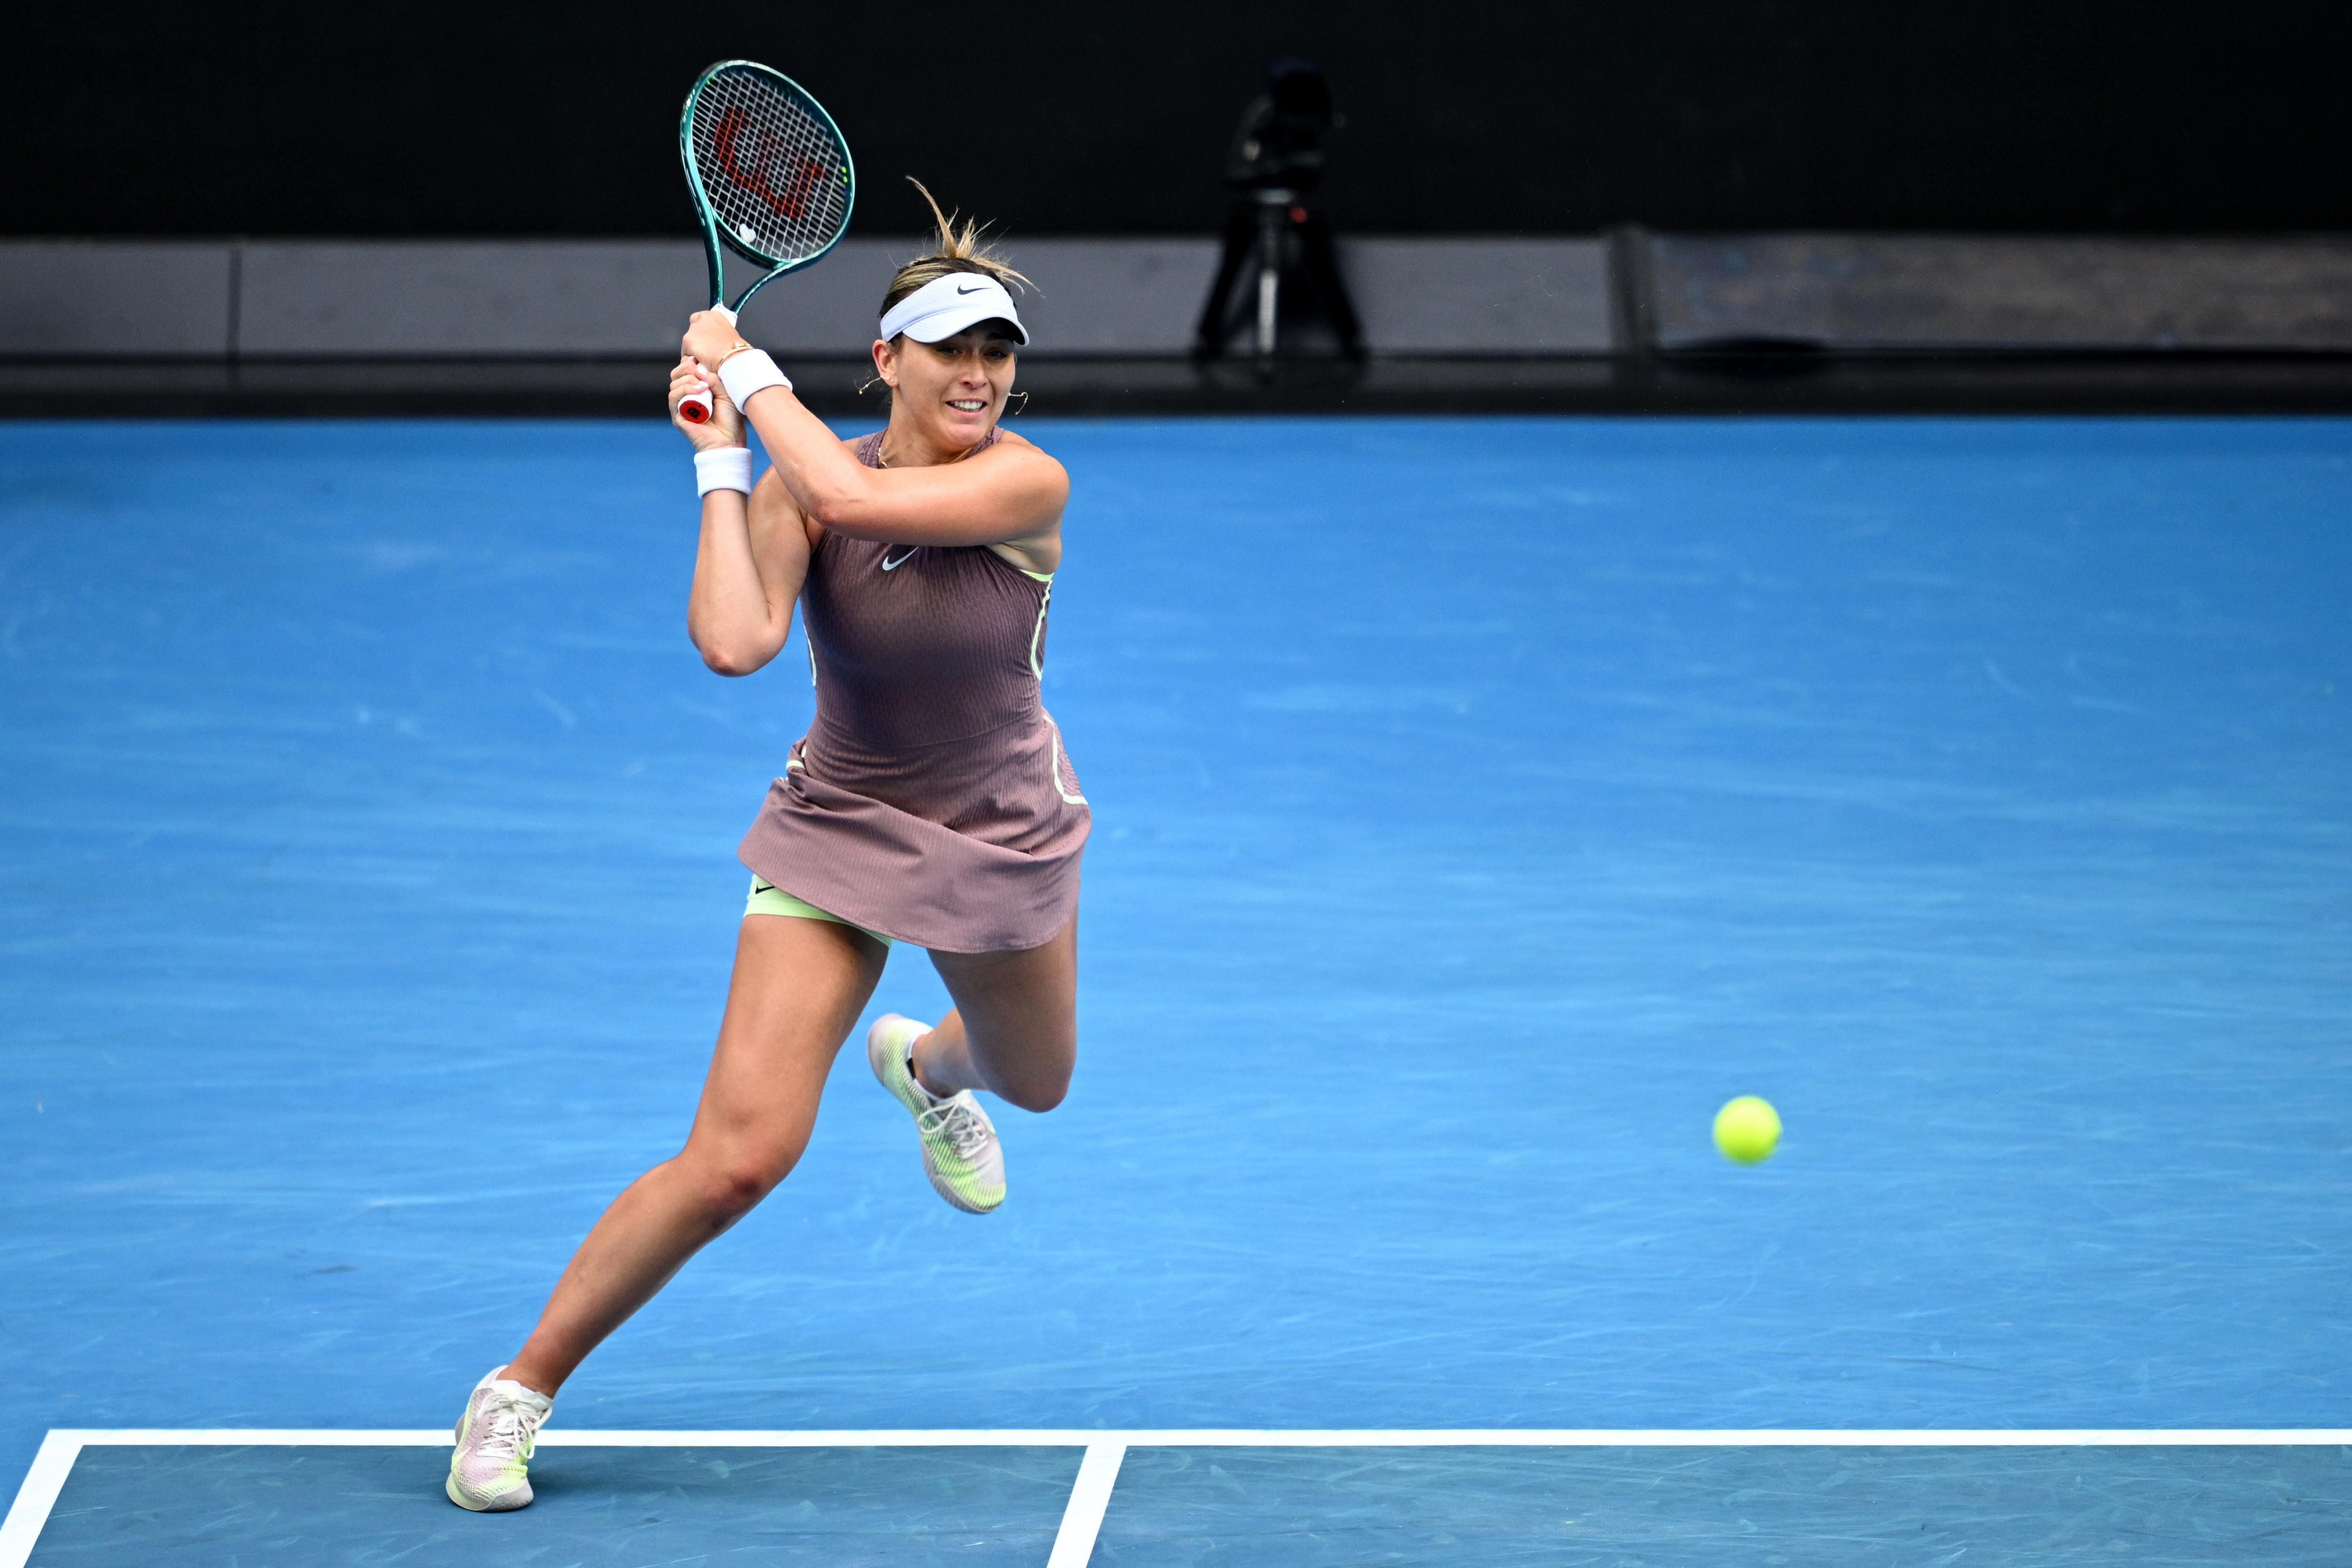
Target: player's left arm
{"points": [[1012, 494]]}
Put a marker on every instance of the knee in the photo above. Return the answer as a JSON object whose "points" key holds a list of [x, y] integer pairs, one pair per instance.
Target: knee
{"points": [[1031, 1070], [729, 1186], [1039, 1092]]}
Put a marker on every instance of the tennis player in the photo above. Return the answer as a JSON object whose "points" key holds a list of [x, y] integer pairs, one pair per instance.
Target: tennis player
{"points": [[929, 801]]}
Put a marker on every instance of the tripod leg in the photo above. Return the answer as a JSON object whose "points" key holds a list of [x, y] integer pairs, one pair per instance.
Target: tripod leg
{"points": [[1322, 260], [1269, 278], [1216, 314]]}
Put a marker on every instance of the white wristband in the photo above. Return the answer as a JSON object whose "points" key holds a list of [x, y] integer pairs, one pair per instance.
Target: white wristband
{"points": [[748, 372], [722, 468]]}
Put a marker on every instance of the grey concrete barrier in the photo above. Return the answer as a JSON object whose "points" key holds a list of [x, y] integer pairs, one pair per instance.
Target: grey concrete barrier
{"points": [[135, 299], [261, 300], [463, 299], [258, 300], [1931, 293], [1480, 297]]}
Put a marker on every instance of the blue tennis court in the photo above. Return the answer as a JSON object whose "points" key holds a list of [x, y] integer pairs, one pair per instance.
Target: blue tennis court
{"points": [[1479, 804]]}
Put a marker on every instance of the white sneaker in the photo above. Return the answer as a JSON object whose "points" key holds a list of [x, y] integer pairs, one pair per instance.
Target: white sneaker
{"points": [[960, 1153], [490, 1471]]}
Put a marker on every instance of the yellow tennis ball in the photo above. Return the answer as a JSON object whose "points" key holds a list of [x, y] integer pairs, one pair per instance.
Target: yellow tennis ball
{"points": [[1746, 1128]]}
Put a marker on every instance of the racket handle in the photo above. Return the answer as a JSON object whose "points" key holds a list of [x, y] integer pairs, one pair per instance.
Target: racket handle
{"points": [[695, 407]]}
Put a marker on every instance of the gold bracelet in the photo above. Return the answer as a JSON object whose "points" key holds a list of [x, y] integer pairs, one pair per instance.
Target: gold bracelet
{"points": [[739, 346]]}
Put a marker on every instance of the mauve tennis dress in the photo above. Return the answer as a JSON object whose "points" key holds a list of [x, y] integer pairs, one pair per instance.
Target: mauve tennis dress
{"points": [[930, 800]]}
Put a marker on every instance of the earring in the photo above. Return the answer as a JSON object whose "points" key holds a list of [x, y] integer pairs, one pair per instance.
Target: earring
{"points": [[1011, 412], [867, 384]]}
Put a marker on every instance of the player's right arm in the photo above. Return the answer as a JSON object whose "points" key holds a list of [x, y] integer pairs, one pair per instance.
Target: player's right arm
{"points": [[754, 552]]}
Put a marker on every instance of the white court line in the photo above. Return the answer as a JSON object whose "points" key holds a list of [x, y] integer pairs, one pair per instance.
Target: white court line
{"points": [[1089, 1496], [1265, 1438], [36, 1497], [1098, 1471]]}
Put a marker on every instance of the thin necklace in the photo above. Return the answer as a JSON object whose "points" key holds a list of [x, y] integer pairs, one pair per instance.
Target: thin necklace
{"points": [[882, 459]]}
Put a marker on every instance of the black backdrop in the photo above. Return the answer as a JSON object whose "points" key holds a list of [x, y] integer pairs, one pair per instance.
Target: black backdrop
{"points": [[443, 117]]}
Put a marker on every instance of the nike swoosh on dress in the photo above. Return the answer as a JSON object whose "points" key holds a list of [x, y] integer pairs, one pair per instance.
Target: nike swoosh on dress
{"points": [[890, 565]]}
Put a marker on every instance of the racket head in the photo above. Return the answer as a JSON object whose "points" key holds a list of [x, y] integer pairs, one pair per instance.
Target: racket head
{"points": [[771, 174]]}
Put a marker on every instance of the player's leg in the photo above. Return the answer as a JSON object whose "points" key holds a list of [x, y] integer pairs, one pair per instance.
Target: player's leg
{"points": [[1013, 1031], [798, 986]]}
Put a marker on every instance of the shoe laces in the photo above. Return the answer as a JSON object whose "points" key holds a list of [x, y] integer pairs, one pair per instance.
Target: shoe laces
{"points": [[960, 1120], [512, 1429]]}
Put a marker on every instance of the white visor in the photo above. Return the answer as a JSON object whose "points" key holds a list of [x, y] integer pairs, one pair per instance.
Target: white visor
{"points": [[946, 306]]}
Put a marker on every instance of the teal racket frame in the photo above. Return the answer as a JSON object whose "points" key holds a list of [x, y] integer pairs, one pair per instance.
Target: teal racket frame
{"points": [[714, 251]]}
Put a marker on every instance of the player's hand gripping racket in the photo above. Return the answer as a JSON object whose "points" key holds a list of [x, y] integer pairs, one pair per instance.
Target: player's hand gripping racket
{"points": [[771, 176]]}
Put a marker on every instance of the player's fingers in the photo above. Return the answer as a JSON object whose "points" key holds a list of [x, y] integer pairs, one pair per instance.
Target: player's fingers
{"points": [[709, 336]]}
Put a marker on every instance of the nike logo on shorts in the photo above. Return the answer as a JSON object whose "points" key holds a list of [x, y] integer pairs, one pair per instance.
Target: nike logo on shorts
{"points": [[890, 565]]}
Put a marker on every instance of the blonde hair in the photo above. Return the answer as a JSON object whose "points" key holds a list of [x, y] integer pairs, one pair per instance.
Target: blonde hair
{"points": [[957, 250]]}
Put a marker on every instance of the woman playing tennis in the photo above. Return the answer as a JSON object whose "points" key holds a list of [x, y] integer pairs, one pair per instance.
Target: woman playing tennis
{"points": [[929, 801]]}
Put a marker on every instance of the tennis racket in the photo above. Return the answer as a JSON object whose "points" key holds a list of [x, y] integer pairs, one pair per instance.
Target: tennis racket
{"points": [[771, 178]]}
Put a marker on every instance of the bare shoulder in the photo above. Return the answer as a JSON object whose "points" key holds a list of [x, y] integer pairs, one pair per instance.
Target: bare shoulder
{"points": [[1013, 447], [1047, 486]]}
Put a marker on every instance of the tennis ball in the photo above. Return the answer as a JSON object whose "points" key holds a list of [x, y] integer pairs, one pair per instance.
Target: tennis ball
{"points": [[1746, 1128]]}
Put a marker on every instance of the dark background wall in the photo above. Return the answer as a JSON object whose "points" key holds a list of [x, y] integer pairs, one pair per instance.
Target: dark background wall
{"points": [[443, 117]]}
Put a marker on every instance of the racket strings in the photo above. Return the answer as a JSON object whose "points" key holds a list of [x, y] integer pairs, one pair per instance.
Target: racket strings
{"points": [[775, 171]]}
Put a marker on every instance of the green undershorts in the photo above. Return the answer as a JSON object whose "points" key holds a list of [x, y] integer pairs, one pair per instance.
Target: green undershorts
{"points": [[767, 898]]}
